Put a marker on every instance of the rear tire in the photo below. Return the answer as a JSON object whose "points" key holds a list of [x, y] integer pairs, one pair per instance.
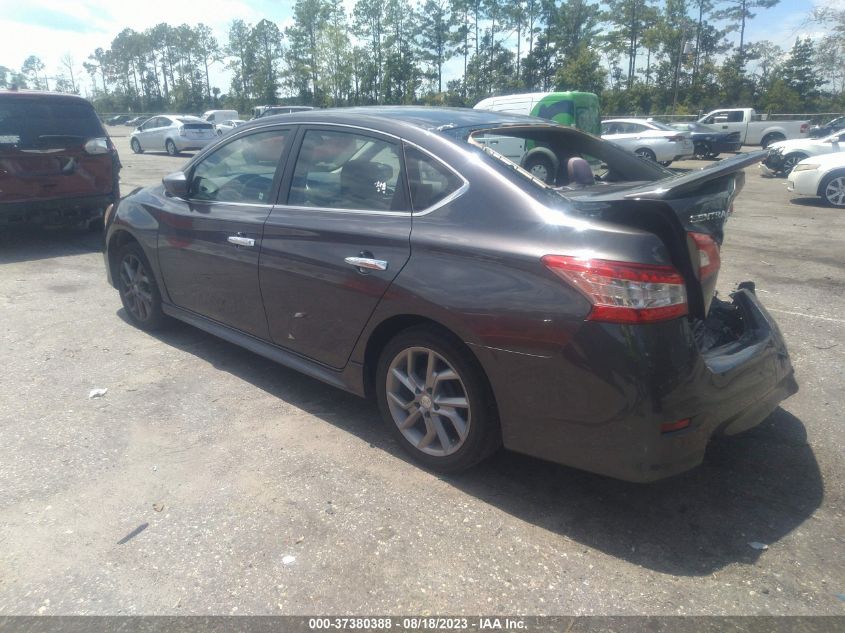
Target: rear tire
{"points": [[138, 289], [421, 370], [647, 154], [832, 189], [772, 138], [135, 144], [171, 148]]}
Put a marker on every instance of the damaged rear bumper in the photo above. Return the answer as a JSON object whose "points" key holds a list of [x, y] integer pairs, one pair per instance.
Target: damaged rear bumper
{"points": [[601, 401]]}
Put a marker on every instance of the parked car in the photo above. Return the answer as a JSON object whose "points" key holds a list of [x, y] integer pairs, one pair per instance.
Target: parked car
{"points": [[834, 125], [218, 116], [754, 129], [822, 176], [578, 109], [120, 119], [386, 252], [172, 133], [136, 121], [227, 126], [58, 165], [708, 142], [648, 139], [263, 111], [783, 156]]}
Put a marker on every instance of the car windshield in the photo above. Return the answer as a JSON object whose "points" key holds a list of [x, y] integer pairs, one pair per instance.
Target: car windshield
{"points": [[515, 147], [40, 123]]}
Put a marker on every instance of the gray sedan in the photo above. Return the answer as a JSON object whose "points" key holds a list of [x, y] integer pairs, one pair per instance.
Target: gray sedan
{"points": [[393, 253]]}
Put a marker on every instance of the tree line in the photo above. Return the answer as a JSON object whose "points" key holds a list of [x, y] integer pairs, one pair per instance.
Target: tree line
{"points": [[640, 56]]}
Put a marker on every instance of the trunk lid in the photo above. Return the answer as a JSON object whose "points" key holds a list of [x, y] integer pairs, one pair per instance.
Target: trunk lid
{"points": [[679, 210], [42, 149]]}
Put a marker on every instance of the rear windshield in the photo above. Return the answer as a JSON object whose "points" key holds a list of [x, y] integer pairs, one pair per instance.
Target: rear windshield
{"points": [[194, 124], [42, 123]]}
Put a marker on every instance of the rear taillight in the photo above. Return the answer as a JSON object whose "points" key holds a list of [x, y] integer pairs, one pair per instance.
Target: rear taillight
{"points": [[677, 138], [709, 258], [98, 146], [183, 131], [624, 292]]}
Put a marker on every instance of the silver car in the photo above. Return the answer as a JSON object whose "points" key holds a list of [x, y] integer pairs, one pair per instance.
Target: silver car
{"points": [[649, 139], [227, 126], [172, 133]]}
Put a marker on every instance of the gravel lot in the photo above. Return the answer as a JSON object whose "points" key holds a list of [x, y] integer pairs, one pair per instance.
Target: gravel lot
{"points": [[247, 488]]}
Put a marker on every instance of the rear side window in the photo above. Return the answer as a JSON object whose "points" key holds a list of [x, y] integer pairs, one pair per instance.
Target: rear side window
{"points": [[44, 123], [240, 171], [344, 170], [429, 180]]}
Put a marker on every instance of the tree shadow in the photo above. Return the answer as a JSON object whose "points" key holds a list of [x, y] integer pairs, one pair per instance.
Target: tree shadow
{"points": [[32, 243], [754, 487]]}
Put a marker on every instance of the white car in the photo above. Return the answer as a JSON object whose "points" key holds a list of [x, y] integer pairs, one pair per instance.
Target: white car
{"points": [[227, 126], [783, 156], [649, 139], [172, 133], [822, 176]]}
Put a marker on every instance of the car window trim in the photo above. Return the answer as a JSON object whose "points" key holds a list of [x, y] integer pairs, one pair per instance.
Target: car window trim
{"points": [[277, 176], [284, 193]]}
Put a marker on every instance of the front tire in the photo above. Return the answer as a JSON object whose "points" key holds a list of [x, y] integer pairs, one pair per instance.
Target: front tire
{"points": [[435, 398], [136, 146], [789, 162], [138, 289], [832, 190], [171, 148], [702, 150], [541, 166]]}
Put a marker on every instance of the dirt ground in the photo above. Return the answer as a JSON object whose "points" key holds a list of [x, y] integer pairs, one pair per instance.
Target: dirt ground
{"points": [[211, 481]]}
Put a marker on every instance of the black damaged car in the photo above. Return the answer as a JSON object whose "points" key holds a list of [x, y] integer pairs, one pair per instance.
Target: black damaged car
{"points": [[395, 253], [708, 141]]}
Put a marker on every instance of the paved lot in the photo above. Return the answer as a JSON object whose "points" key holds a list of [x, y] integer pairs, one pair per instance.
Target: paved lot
{"points": [[228, 464]]}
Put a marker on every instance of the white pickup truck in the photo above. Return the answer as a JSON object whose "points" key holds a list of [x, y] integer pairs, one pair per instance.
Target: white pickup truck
{"points": [[755, 129]]}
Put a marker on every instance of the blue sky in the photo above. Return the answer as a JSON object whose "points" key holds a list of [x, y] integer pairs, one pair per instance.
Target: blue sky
{"points": [[53, 28]]}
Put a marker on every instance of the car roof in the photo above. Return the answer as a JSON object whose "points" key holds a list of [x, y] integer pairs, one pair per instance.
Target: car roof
{"points": [[422, 117], [42, 94]]}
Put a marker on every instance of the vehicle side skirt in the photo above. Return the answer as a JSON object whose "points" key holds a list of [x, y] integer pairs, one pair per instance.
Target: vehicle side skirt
{"points": [[349, 379]]}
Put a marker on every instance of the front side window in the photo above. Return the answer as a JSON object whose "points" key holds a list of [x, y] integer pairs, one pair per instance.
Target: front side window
{"points": [[240, 171], [345, 170], [429, 181]]}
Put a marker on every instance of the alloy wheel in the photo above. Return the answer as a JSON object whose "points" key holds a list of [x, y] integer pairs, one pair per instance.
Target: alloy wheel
{"points": [[136, 288], [428, 401], [834, 191], [790, 161]]}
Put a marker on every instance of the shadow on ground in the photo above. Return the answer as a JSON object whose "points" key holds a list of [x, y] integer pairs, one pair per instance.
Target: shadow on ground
{"points": [[758, 486], [816, 203], [22, 244]]}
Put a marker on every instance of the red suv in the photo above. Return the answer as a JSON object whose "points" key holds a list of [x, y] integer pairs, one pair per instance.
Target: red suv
{"points": [[57, 164]]}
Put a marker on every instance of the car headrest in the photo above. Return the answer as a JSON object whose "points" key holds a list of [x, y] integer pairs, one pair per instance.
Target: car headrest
{"points": [[364, 179], [579, 172]]}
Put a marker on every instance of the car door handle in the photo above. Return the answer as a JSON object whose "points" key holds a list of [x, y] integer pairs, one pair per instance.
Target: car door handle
{"points": [[239, 240], [366, 263]]}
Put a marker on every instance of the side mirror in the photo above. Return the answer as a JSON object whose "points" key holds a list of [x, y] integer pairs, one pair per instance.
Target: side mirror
{"points": [[176, 184]]}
